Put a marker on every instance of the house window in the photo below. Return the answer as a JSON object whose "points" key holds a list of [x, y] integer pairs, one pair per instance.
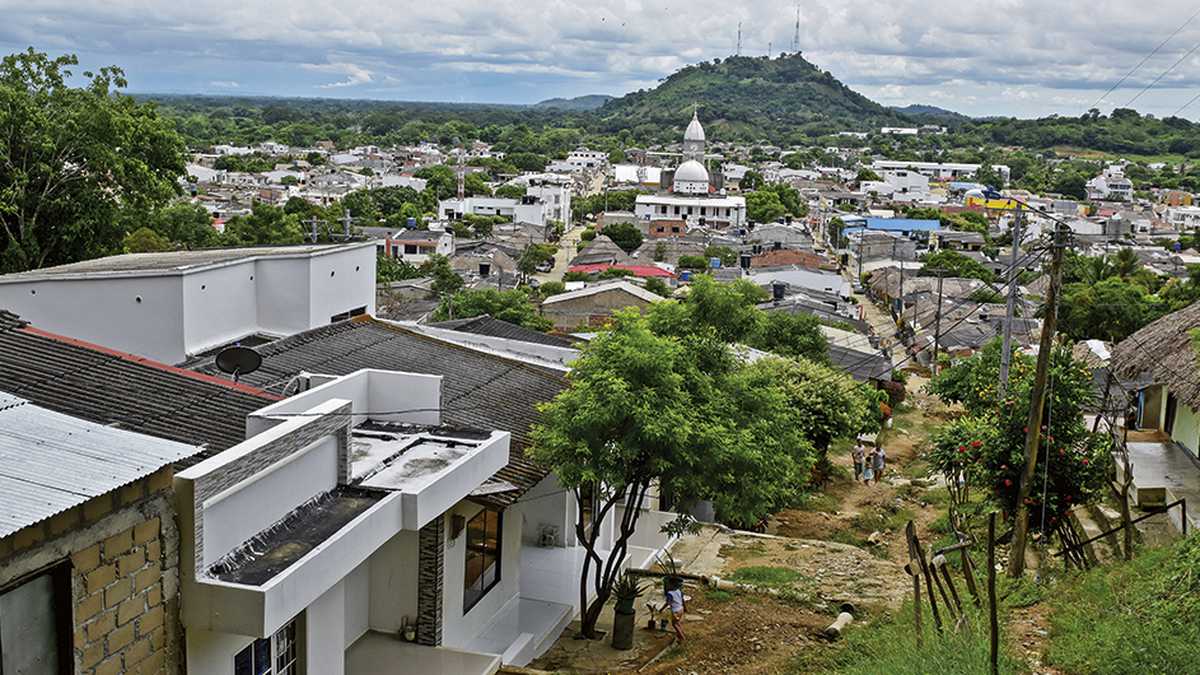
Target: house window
{"points": [[276, 655], [483, 556], [410, 249], [35, 624]]}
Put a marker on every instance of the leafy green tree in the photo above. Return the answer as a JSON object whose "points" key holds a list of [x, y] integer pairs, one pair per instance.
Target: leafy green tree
{"points": [[625, 235], [551, 288], [986, 446], [644, 409], [265, 225], [389, 269], [75, 158], [764, 206], [752, 180], [146, 240], [514, 306], [955, 264], [692, 262], [534, 255], [1126, 263], [1110, 310], [726, 254], [510, 191], [658, 287], [792, 335], [440, 180], [865, 174], [186, 225], [445, 280]]}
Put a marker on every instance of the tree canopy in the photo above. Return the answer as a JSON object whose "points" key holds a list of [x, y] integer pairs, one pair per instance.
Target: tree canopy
{"points": [[73, 159]]}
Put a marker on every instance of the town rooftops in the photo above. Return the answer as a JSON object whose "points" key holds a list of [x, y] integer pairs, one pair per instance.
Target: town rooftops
{"points": [[481, 389], [122, 390], [492, 327], [172, 262], [1164, 351], [643, 271], [53, 462], [624, 286]]}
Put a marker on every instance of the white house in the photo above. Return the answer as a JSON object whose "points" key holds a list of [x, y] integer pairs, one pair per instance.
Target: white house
{"points": [[527, 210], [939, 170], [1110, 185], [1184, 217], [552, 190], [582, 159], [173, 305], [415, 246], [723, 212], [350, 513]]}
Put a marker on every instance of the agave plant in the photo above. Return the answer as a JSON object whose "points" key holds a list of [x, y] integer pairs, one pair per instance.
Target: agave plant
{"points": [[626, 591]]}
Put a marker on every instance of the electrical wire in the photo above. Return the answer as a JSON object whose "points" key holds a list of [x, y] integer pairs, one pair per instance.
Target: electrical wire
{"points": [[1146, 58], [1163, 74]]}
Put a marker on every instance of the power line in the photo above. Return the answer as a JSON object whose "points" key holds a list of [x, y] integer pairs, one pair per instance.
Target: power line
{"points": [[1145, 59], [1163, 74]]}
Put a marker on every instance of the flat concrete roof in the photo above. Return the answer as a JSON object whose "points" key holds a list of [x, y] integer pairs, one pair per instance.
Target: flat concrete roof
{"points": [[173, 262]]}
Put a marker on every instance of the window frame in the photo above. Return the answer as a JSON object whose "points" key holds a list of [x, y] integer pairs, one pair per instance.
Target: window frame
{"points": [[64, 611], [279, 662], [469, 600]]}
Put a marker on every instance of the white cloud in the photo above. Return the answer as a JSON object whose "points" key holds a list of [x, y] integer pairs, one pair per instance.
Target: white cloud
{"points": [[354, 74], [224, 84], [959, 53]]}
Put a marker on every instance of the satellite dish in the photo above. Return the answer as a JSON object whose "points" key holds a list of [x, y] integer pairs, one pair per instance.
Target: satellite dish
{"points": [[238, 361]]}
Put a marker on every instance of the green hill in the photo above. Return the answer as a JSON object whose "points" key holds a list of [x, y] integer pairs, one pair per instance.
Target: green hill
{"points": [[747, 98], [579, 103]]}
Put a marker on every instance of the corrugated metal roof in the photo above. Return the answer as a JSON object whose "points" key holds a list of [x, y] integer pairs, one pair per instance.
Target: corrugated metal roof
{"points": [[50, 462]]}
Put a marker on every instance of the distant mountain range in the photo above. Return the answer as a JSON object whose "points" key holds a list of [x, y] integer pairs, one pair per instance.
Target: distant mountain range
{"points": [[577, 104], [917, 110]]}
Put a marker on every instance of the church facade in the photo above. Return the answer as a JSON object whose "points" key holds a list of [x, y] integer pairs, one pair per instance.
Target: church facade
{"points": [[692, 201]]}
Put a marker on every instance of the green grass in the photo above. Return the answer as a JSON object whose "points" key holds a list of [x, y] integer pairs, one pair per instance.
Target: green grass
{"points": [[718, 595], [1140, 617], [887, 644], [818, 501], [763, 575]]}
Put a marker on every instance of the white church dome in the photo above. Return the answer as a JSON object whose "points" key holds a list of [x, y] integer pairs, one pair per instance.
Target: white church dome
{"points": [[695, 131], [691, 171]]}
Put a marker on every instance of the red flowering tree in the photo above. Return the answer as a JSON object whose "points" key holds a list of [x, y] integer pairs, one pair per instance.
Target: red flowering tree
{"points": [[985, 446]]}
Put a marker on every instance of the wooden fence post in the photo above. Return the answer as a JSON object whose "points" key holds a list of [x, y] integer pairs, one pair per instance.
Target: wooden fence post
{"points": [[991, 583], [910, 533]]}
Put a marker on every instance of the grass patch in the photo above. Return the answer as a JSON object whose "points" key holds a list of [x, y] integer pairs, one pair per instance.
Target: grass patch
{"points": [[751, 550], [718, 595], [764, 575], [887, 644], [818, 501], [1140, 617]]}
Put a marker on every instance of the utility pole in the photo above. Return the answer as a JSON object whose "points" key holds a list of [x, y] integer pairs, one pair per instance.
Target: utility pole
{"points": [[347, 222], [1010, 309], [937, 324], [313, 233], [1033, 434]]}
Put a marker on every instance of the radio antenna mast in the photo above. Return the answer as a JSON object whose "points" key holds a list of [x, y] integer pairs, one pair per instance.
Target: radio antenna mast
{"points": [[739, 45], [796, 37]]}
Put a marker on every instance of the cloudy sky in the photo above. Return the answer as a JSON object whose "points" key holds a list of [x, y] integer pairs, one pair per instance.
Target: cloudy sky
{"points": [[1010, 57]]}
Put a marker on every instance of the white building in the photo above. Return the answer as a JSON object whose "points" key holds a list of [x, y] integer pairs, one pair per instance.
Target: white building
{"points": [[692, 204], [527, 210], [583, 159], [350, 513], [329, 530], [720, 212], [1111, 185], [940, 170], [552, 190], [416, 246], [899, 131], [907, 182], [1184, 217], [173, 305]]}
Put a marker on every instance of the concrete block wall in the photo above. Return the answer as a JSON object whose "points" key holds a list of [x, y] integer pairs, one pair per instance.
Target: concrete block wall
{"points": [[123, 552], [431, 558]]}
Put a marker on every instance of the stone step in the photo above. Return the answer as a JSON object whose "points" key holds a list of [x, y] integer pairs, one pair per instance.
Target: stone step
{"points": [[1098, 551]]}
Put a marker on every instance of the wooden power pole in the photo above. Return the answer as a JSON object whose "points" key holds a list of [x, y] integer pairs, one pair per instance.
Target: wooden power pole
{"points": [[1037, 403]]}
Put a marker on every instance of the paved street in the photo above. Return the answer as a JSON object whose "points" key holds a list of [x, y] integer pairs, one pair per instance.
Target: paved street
{"points": [[566, 251]]}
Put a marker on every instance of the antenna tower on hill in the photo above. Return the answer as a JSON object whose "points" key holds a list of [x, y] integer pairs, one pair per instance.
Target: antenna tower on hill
{"points": [[796, 37], [739, 46]]}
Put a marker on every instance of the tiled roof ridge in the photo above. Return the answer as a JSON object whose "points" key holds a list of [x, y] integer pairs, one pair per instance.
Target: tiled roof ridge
{"points": [[151, 363], [514, 363]]}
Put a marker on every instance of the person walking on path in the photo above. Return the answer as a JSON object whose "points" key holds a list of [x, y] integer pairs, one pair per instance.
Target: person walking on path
{"points": [[880, 460], [676, 604], [857, 455], [869, 468]]}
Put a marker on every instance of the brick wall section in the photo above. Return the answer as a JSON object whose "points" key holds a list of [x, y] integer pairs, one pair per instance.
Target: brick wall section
{"points": [[123, 550], [336, 423], [431, 558]]}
